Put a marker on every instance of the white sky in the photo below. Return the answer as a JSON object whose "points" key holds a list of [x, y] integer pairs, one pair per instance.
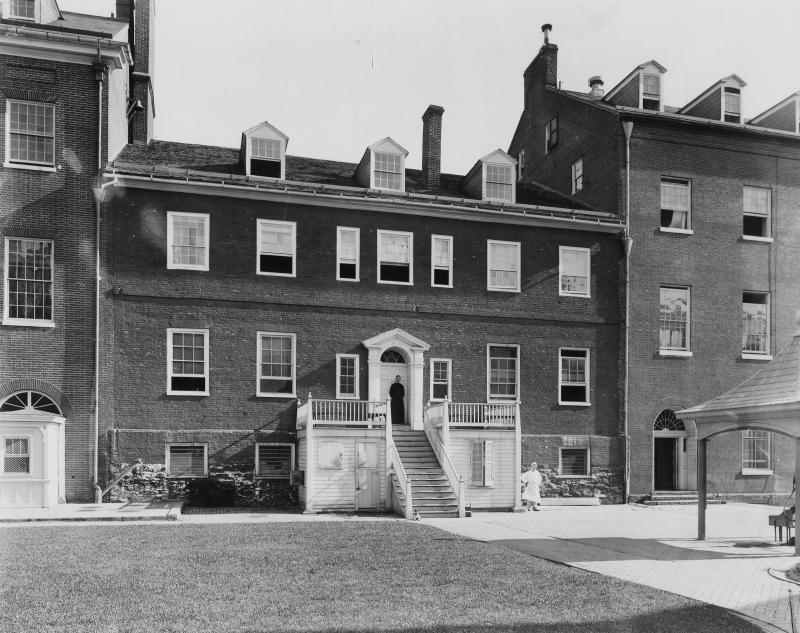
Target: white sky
{"points": [[338, 75]]}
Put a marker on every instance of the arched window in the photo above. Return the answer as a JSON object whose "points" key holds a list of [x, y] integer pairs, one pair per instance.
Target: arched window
{"points": [[29, 401], [666, 421], [392, 356]]}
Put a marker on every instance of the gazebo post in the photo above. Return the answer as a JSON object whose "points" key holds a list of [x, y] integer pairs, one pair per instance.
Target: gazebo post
{"points": [[796, 478], [701, 489]]}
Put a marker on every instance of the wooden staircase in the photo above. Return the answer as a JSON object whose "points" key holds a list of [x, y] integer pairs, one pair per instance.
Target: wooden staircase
{"points": [[676, 498], [431, 492]]}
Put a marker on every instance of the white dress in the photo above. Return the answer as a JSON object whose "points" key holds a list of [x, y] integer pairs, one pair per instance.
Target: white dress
{"points": [[533, 481]]}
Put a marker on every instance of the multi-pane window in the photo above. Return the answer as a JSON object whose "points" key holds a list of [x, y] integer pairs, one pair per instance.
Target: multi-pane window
{"points": [[276, 248], [550, 135], [347, 253], [574, 462], [573, 378], [577, 175], [31, 133], [755, 323], [503, 372], [276, 364], [499, 182], [675, 204], [482, 463], [388, 171], [347, 375], [187, 241], [29, 281], [756, 206], [756, 451], [442, 261], [22, 9], [395, 257], [440, 378], [732, 105], [187, 362], [16, 455], [503, 265], [265, 157], [187, 460], [651, 92], [574, 266], [330, 455], [674, 318], [274, 461], [266, 148]]}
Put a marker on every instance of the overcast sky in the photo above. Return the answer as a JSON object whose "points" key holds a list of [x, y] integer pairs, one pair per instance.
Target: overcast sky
{"points": [[338, 75]]}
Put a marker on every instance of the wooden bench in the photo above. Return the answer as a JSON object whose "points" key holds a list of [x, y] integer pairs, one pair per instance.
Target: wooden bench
{"points": [[783, 520]]}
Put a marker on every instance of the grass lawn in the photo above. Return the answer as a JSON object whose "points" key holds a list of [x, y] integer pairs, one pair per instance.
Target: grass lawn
{"points": [[333, 576]]}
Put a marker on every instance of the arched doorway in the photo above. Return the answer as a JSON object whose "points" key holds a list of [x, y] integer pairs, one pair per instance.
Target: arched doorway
{"points": [[393, 364], [669, 452]]}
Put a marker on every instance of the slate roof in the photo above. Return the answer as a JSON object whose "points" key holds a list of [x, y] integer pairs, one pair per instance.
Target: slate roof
{"points": [[78, 24], [171, 157]]}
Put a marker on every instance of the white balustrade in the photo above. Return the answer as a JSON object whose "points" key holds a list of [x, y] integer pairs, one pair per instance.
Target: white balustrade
{"points": [[482, 414], [349, 412]]}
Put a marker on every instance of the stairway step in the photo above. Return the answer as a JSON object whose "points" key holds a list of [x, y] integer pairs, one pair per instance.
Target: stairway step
{"points": [[439, 515], [682, 502]]}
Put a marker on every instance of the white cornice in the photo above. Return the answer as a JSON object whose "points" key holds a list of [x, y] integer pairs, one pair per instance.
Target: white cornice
{"points": [[72, 50], [524, 215]]}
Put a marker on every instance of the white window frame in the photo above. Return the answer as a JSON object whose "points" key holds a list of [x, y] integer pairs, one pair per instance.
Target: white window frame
{"points": [[259, 224], [675, 181], [374, 170], [260, 377], [17, 164], [511, 184], [575, 249], [561, 474], [489, 396], [737, 94], [449, 364], [449, 240], [765, 355], [489, 245], [8, 320], [340, 230], [587, 372], [29, 455], [757, 471], [649, 95], [487, 478], [340, 395], [410, 235], [677, 351], [206, 354], [167, 460], [292, 462], [577, 176], [768, 217], [13, 16], [171, 216]]}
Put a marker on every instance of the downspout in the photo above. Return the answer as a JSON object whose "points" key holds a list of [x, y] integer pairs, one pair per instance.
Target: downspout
{"points": [[627, 243]]}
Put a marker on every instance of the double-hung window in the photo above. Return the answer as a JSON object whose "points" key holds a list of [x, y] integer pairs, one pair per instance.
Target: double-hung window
{"points": [[187, 362], [503, 269], [347, 376], [347, 253], [30, 133], [395, 257], [276, 365], [573, 462], [499, 182], [187, 460], [503, 372], [265, 157], [276, 248], [440, 378], [651, 92], [674, 320], [732, 103], [22, 9], [442, 261], [573, 377], [574, 265], [388, 171], [755, 324], [756, 207], [274, 460], [29, 282], [675, 205], [756, 452], [16, 456], [577, 175], [187, 241], [482, 466], [550, 134]]}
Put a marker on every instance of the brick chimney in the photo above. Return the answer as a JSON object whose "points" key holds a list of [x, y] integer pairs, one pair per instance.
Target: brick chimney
{"points": [[140, 15], [432, 146], [544, 67]]}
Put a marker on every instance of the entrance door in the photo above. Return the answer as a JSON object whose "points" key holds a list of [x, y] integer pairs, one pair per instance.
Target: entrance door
{"points": [[665, 463], [388, 373], [367, 477]]}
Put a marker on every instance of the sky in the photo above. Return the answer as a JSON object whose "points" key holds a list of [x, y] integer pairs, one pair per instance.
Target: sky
{"points": [[338, 75]]}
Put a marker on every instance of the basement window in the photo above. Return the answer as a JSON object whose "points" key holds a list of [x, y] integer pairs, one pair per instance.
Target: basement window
{"points": [[573, 462], [187, 460], [274, 461]]}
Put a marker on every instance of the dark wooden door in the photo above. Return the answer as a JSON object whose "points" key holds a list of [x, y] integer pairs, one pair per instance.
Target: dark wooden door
{"points": [[664, 463]]}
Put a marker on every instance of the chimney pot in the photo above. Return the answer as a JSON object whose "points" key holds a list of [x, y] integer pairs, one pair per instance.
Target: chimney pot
{"points": [[596, 85], [546, 28], [432, 146]]}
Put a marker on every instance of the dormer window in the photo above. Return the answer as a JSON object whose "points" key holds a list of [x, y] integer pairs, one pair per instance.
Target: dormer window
{"points": [[383, 166], [22, 10], [732, 106], [492, 178], [651, 92], [388, 171], [264, 151], [499, 182]]}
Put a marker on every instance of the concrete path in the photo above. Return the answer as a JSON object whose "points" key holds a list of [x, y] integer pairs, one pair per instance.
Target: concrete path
{"points": [[145, 511], [657, 547]]}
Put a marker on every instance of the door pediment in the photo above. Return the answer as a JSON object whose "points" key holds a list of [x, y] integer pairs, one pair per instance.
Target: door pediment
{"points": [[396, 338]]}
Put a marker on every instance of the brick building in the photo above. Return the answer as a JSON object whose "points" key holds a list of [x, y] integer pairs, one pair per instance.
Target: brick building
{"points": [[711, 202]]}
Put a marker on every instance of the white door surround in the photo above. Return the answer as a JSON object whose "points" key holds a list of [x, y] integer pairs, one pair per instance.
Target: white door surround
{"points": [[413, 350]]}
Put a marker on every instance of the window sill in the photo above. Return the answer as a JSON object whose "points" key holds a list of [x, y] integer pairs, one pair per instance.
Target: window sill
{"points": [[258, 272], [29, 323], [437, 286], [575, 295], [574, 476], [183, 394], [757, 471], [341, 396], [352, 281], [574, 404], [676, 353], [8, 165], [763, 357], [503, 289], [396, 283], [285, 396], [757, 238], [666, 229], [199, 268]]}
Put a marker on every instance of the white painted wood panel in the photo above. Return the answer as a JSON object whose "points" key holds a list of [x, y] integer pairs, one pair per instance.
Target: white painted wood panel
{"points": [[506, 479]]}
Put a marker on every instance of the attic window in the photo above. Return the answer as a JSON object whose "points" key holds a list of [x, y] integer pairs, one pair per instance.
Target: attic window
{"points": [[388, 171], [22, 9], [651, 92], [733, 105], [499, 182], [265, 157]]}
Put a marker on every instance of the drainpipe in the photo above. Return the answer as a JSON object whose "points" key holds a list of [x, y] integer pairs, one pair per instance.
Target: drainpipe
{"points": [[627, 243]]}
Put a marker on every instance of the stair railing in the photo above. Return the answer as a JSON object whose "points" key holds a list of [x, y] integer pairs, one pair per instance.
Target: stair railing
{"points": [[394, 464], [439, 447]]}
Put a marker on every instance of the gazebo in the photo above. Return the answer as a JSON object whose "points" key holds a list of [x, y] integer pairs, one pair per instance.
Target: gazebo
{"points": [[767, 401]]}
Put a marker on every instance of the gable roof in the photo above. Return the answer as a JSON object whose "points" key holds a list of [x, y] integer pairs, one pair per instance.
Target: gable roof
{"points": [[725, 80], [630, 76]]}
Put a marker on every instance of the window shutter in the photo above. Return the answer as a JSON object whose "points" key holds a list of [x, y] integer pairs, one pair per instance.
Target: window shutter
{"points": [[488, 463], [187, 461], [274, 461], [477, 464]]}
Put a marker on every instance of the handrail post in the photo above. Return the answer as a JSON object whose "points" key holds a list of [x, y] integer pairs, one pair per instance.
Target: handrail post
{"points": [[446, 425], [309, 477], [461, 510], [409, 502], [389, 443], [518, 457]]}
